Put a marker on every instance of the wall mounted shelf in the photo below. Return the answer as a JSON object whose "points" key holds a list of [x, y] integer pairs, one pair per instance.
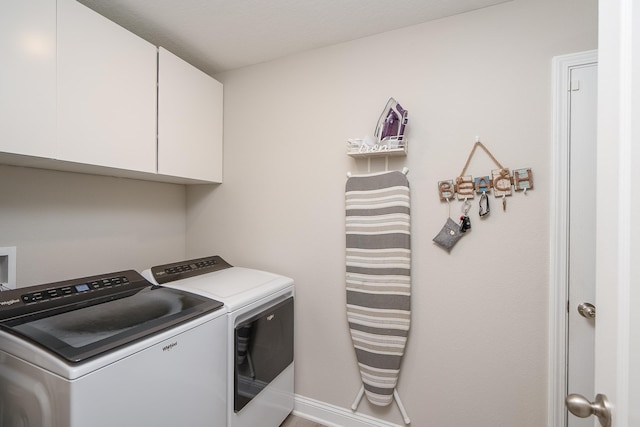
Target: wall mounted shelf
{"points": [[358, 149]]}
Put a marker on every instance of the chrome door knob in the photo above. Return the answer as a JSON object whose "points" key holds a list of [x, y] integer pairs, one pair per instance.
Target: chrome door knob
{"points": [[579, 406], [587, 310]]}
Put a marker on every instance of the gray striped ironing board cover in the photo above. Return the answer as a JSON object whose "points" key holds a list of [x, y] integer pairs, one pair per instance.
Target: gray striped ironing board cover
{"points": [[378, 277]]}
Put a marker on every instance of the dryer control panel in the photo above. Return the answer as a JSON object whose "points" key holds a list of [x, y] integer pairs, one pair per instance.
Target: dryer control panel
{"points": [[181, 270]]}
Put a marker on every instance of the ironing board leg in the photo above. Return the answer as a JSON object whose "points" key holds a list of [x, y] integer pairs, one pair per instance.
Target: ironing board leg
{"points": [[356, 402], [403, 411]]}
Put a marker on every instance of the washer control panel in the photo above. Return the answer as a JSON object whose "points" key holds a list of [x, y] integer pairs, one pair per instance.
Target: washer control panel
{"points": [[58, 295], [92, 285], [181, 270]]}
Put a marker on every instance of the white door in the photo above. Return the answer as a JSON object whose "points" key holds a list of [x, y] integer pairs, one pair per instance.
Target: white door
{"points": [[582, 233], [618, 204], [572, 256]]}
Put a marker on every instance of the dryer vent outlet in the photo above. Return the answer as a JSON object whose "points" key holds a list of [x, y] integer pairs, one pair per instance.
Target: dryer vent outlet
{"points": [[8, 267]]}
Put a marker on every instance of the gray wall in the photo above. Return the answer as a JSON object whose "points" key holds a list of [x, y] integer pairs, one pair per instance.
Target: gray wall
{"points": [[479, 322], [67, 225]]}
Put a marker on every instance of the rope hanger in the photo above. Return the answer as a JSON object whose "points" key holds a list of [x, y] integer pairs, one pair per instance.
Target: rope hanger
{"points": [[473, 150], [500, 181]]}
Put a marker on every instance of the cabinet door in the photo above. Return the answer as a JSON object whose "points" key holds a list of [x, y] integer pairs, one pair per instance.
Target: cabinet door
{"points": [[106, 92], [189, 121], [27, 77]]}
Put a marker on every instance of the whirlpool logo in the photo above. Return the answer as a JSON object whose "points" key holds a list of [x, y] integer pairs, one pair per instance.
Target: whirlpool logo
{"points": [[170, 346], [10, 302]]}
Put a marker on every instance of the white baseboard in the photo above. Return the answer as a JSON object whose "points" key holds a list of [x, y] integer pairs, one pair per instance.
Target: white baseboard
{"points": [[334, 416]]}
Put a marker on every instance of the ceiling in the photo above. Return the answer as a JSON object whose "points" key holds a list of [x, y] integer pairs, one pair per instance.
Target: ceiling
{"points": [[220, 35]]}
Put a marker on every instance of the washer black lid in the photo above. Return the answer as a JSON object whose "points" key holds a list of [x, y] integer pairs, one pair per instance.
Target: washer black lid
{"points": [[82, 318]]}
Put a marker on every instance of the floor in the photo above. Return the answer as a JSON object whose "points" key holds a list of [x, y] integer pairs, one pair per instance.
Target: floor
{"points": [[293, 421]]}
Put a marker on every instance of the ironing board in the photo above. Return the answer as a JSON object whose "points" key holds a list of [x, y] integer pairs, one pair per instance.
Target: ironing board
{"points": [[378, 280]]}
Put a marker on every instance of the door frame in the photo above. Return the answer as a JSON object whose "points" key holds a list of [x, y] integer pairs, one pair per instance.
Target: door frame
{"points": [[559, 234]]}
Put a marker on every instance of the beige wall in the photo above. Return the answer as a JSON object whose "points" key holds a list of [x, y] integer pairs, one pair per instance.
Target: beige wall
{"points": [[67, 225], [477, 352]]}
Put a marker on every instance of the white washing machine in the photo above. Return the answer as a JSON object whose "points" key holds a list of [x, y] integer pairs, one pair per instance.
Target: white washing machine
{"points": [[260, 326], [111, 350]]}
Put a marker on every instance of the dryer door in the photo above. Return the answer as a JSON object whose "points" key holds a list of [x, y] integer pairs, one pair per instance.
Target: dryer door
{"points": [[263, 349]]}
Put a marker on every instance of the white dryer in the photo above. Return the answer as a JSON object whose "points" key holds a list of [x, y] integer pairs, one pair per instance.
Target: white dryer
{"points": [[260, 325]]}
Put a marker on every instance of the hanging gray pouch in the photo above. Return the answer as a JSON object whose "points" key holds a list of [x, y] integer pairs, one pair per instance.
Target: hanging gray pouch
{"points": [[449, 235]]}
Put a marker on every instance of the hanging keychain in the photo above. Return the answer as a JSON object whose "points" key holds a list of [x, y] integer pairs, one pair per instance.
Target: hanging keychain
{"points": [[465, 222], [484, 205]]}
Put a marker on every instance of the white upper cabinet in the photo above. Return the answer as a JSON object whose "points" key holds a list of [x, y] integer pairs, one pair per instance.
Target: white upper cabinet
{"points": [[189, 121], [80, 93], [27, 77], [106, 92]]}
